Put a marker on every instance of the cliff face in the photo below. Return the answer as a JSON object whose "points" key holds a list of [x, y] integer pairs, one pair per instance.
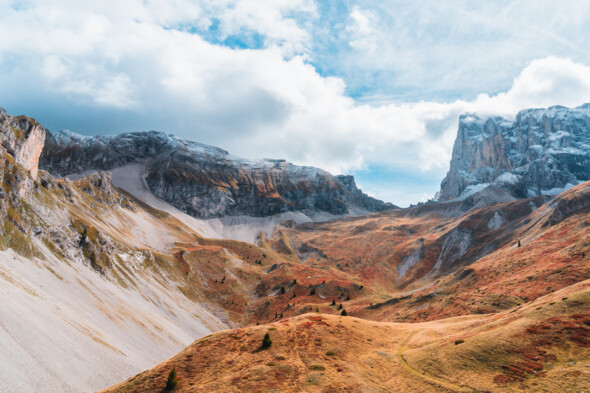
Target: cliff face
{"points": [[22, 138], [543, 151], [205, 181]]}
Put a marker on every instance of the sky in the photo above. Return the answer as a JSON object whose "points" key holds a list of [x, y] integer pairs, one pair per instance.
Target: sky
{"points": [[369, 88]]}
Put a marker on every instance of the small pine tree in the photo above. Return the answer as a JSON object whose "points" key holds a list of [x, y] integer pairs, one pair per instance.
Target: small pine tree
{"points": [[312, 292], [347, 297], [266, 342], [518, 242], [281, 315], [317, 309], [276, 315], [282, 290], [340, 306], [344, 313], [294, 294], [294, 281], [333, 302], [172, 381]]}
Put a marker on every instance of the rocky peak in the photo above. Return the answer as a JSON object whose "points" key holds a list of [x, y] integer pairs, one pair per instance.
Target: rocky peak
{"points": [[205, 181], [22, 138], [541, 152]]}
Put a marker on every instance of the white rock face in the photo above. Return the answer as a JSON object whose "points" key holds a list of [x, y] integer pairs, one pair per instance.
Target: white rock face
{"points": [[23, 138], [542, 152]]}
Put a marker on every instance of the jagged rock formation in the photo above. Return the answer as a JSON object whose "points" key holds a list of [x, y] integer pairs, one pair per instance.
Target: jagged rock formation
{"points": [[205, 181], [23, 138], [543, 151]]}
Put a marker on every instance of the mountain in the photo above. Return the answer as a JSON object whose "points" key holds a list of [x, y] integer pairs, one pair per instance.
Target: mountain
{"points": [[541, 152], [101, 279], [205, 181], [90, 288]]}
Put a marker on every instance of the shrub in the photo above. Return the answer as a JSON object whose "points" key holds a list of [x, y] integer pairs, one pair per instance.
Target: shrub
{"points": [[457, 342], [330, 353], [317, 367], [172, 381], [266, 342], [344, 313]]}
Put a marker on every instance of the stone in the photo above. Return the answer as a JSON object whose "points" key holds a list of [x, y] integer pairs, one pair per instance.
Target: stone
{"points": [[205, 181], [541, 152]]}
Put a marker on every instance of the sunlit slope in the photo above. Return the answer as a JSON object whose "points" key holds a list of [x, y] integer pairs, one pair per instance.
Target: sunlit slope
{"points": [[543, 346]]}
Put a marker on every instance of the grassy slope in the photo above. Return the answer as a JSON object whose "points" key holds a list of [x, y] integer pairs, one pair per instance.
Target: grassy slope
{"points": [[542, 346]]}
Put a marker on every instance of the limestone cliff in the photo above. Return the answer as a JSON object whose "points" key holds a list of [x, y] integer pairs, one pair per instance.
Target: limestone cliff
{"points": [[23, 138], [541, 152], [206, 181]]}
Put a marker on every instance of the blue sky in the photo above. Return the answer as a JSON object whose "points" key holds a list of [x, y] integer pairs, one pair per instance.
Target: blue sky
{"points": [[370, 88]]}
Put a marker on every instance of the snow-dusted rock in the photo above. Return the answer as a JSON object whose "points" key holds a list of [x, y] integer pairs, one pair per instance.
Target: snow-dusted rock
{"points": [[206, 181], [542, 151]]}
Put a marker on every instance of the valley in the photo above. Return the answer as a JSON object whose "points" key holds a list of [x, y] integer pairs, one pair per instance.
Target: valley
{"points": [[113, 263]]}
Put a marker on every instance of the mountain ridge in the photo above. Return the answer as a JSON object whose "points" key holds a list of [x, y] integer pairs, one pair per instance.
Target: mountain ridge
{"points": [[543, 151], [205, 181]]}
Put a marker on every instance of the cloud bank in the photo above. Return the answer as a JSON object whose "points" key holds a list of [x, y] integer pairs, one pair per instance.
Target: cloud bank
{"points": [[243, 75]]}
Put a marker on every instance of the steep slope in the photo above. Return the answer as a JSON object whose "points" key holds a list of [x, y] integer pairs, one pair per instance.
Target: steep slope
{"points": [[205, 181], [543, 151], [88, 292], [96, 284], [540, 347]]}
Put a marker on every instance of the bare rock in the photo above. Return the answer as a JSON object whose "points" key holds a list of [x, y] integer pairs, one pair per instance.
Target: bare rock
{"points": [[541, 152]]}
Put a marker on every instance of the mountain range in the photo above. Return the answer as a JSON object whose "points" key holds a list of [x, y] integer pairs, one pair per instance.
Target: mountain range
{"points": [[118, 252]]}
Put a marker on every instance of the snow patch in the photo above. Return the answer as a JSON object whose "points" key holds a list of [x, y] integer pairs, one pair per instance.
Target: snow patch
{"points": [[507, 178], [470, 190]]}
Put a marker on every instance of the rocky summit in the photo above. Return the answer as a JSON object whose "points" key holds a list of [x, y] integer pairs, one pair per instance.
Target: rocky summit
{"points": [[100, 282], [541, 152], [206, 181]]}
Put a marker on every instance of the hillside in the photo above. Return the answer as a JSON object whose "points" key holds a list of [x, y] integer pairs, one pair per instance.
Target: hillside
{"points": [[95, 266], [543, 346]]}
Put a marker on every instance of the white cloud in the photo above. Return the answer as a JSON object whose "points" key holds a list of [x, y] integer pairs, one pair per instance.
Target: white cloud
{"points": [[139, 67], [362, 33]]}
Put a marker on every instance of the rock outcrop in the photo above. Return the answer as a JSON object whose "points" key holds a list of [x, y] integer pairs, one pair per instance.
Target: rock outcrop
{"points": [[23, 138], [205, 181], [541, 152]]}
